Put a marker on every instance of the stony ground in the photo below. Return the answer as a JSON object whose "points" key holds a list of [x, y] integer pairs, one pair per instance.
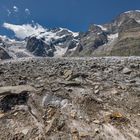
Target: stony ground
{"points": [[70, 99]]}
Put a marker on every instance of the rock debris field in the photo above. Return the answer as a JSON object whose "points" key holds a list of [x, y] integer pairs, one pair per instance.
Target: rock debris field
{"points": [[70, 99]]}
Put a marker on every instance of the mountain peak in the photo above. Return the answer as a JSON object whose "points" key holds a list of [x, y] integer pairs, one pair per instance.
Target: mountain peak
{"points": [[132, 11]]}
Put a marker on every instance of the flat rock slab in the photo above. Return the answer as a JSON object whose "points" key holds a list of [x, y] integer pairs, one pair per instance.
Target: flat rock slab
{"points": [[16, 89]]}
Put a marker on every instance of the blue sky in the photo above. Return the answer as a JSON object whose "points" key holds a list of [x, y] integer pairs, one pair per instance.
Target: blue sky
{"points": [[76, 15]]}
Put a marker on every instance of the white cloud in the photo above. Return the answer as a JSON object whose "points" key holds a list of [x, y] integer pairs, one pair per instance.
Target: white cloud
{"points": [[25, 30], [9, 12], [15, 8], [27, 11]]}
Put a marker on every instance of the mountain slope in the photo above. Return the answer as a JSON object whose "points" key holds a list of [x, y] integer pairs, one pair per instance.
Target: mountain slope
{"points": [[119, 38]]}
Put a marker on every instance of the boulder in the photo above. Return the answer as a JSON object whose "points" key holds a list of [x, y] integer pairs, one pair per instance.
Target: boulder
{"points": [[15, 89], [127, 71]]}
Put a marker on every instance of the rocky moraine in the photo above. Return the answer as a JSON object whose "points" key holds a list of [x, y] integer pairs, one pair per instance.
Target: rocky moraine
{"points": [[70, 99]]}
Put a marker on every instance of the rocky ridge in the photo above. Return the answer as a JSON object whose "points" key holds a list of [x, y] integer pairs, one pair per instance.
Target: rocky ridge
{"points": [[70, 99]]}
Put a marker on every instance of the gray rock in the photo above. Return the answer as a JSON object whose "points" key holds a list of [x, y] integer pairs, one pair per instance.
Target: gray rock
{"points": [[15, 89], [127, 71], [4, 54]]}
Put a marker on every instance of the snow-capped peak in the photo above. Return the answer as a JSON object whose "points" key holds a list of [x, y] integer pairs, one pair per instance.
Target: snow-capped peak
{"points": [[28, 30], [137, 10], [58, 39], [25, 30], [128, 12]]}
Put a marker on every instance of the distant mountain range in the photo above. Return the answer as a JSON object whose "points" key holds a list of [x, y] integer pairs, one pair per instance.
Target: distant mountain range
{"points": [[120, 37]]}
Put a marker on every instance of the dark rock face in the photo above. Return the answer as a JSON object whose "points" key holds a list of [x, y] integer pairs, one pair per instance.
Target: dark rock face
{"points": [[128, 40], [129, 25], [113, 27], [3, 54], [39, 48], [12, 100], [91, 42], [94, 29], [1, 40]]}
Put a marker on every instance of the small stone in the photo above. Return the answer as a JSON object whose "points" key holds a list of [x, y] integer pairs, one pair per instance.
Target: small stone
{"points": [[38, 78], [39, 85], [114, 91], [96, 87], [74, 130], [97, 130], [96, 91], [73, 113], [87, 120], [86, 134], [64, 102], [25, 131], [116, 115], [75, 137], [67, 74], [83, 134], [1, 115], [96, 121], [15, 113], [127, 71]]}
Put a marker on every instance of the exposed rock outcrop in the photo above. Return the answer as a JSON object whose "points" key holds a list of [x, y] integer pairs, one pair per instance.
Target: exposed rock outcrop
{"points": [[3, 54], [39, 48], [118, 38]]}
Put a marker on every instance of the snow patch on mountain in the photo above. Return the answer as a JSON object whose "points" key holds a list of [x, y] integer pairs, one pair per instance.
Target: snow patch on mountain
{"points": [[137, 10], [75, 34], [60, 51], [103, 28], [128, 12], [17, 49], [6, 40], [113, 36], [48, 36], [25, 30], [3, 37], [138, 21]]}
